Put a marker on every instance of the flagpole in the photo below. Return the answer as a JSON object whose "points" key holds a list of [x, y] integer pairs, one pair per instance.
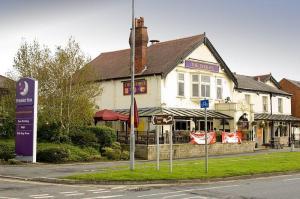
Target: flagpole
{"points": [[132, 137]]}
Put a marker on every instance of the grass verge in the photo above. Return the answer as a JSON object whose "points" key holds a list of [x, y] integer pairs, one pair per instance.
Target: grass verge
{"points": [[194, 169]]}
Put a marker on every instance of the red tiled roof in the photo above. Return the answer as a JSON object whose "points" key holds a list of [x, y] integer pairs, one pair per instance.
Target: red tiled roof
{"points": [[162, 58]]}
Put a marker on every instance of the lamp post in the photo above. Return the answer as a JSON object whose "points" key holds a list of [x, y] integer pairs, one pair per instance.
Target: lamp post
{"points": [[132, 52]]}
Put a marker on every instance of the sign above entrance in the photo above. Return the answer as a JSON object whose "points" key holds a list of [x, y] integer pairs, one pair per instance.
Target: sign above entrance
{"points": [[201, 66], [162, 119]]}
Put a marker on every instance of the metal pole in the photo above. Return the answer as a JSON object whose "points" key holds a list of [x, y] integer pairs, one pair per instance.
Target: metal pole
{"points": [[132, 139], [157, 150], [206, 150], [171, 149]]}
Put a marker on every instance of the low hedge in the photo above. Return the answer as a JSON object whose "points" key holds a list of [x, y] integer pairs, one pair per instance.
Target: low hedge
{"points": [[65, 153], [7, 150]]}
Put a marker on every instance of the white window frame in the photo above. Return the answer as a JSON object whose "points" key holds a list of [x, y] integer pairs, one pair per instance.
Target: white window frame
{"points": [[280, 105], [219, 86], [205, 84], [265, 106], [195, 83], [180, 81]]}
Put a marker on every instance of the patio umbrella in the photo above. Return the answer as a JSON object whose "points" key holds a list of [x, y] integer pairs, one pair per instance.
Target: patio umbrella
{"points": [[109, 115]]}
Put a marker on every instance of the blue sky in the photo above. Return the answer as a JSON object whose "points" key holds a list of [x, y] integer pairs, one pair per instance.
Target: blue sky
{"points": [[253, 37]]}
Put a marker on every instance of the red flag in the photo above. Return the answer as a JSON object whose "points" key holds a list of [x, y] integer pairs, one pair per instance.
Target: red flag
{"points": [[136, 116]]}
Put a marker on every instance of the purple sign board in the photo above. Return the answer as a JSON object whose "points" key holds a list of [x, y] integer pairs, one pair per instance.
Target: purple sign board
{"points": [[26, 119], [202, 66]]}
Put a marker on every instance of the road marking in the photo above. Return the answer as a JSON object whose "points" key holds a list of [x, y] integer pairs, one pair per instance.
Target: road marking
{"points": [[68, 192], [40, 197], [8, 198], [74, 194], [201, 197], [101, 191], [120, 187], [291, 179], [96, 190], [174, 192], [172, 196], [104, 197]]}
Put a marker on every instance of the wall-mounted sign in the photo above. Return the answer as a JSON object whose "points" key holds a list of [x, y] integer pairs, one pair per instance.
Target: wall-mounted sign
{"points": [[140, 87], [162, 119], [201, 66], [26, 119]]}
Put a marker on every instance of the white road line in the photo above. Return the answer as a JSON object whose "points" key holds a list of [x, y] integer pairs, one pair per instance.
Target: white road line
{"points": [[74, 194], [68, 192], [172, 196], [40, 197], [96, 190], [291, 179], [174, 192], [201, 197], [120, 187], [101, 191], [104, 197]]}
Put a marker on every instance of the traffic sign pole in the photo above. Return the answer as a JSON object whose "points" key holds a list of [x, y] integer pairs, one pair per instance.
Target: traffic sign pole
{"points": [[157, 150], [171, 150], [206, 150]]}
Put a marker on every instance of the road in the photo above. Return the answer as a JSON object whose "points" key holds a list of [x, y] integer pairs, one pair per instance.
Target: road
{"points": [[276, 187]]}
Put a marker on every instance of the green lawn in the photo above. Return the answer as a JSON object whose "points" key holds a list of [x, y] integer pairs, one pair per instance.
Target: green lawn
{"points": [[194, 169]]}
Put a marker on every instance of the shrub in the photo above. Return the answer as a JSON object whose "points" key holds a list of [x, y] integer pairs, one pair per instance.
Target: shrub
{"points": [[125, 155], [7, 151], [116, 145], [52, 133], [75, 153], [106, 135], [7, 129], [112, 154], [53, 154], [84, 139]]}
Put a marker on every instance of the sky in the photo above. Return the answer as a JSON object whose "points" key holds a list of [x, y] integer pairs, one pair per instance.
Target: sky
{"points": [[253, 37]]}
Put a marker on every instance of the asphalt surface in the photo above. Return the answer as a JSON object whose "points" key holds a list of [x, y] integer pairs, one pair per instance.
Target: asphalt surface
{"points": [[276, 187]]}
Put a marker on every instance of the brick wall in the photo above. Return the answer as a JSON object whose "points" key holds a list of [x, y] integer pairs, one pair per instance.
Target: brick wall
{"points": [[191, 151], [291, 88]]}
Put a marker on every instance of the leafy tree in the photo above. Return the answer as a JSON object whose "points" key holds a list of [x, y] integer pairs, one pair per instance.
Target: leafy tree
{"points": [[65, 96]]}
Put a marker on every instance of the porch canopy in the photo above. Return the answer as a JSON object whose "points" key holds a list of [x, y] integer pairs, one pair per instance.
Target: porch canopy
{"points": [[109, 115], [276, 117], [176, 112]]}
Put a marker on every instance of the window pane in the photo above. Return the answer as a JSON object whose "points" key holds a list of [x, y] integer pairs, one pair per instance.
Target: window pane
{"points": [[181, 76], [205, 79], [180, 88], [202, 90], [195, 78], [207, 91], [219, 93], [247, 98], [195, 90], [219, 82]]}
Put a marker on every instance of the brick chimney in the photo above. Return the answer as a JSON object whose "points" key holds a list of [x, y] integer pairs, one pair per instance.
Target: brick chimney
{"points": [[141, 41]]}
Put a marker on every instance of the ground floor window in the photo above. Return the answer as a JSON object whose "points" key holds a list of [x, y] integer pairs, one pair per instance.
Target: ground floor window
{"points": [[200, 125], [182, 125]]}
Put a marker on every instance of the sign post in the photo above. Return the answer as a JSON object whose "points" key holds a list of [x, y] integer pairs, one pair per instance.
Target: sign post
{"points": [[26, 119], [205, 104], [163, 120]]}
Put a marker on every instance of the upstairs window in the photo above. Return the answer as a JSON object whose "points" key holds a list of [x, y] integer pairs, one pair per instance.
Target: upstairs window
{"points": [[205, 86], [280, 107], [195, 85], [247, 99], [180, 84], [265, 103], [219, 89]]}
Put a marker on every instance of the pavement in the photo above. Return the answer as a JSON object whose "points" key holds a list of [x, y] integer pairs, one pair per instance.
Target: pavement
{"points": [[54, 172]]}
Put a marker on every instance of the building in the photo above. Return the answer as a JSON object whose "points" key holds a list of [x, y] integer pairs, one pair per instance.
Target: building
{"points": [[173, 76], [268, 106], [293, 87]]}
